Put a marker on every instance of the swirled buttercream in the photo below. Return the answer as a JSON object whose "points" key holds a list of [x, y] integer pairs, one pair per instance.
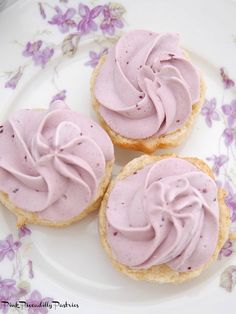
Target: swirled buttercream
{"points": [[146, 86], [165, 213], [52, 161]]}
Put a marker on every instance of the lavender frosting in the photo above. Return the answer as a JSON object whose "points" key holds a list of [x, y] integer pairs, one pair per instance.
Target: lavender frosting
{"points": [[146, 86], [166, 213], [52, 161]]}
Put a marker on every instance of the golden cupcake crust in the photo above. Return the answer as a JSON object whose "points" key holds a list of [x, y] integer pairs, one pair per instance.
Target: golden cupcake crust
{"points": [[150, 144], [163, 273], [26, 217]]}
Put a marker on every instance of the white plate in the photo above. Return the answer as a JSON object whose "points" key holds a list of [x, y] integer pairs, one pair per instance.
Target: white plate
{"points": [[69, 264]]}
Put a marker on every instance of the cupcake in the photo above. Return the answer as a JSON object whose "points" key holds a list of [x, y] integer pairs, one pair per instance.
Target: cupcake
{"points": [[55, 165], [163, 219], [146, 92]]}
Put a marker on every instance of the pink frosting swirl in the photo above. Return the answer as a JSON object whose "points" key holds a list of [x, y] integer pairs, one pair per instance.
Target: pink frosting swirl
{"points": [[146, 86], [51, 162], [166, 213]]}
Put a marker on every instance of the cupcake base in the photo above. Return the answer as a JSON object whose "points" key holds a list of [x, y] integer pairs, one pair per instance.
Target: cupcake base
{"points": [[163, 273], [150, 144]]}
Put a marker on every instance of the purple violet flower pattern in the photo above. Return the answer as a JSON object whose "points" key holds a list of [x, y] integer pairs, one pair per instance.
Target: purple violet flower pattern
{"points": [[41, 10], [88, 15], [229, 136], [59, 96], [228, 83], [209, 111], [63, 20], [230, 112], [23, 231], [16, 288], [8, 293], [229, 132], [84, 20], [111, 20], [39, 56], [8, 248], [94, 57], [32, 48], [14, 80], [35, 299], [226, 250], [42, 57], [218, 162]]}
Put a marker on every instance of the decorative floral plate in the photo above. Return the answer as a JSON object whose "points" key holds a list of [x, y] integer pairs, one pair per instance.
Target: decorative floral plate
{"points": [[48, 50]]}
